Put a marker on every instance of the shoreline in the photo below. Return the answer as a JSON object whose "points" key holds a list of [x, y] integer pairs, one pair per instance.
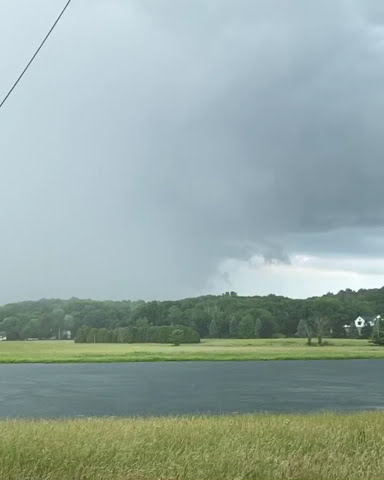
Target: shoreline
{"points": [[139, 359]]}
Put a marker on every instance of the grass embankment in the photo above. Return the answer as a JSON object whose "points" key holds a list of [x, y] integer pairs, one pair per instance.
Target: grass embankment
{"points": [[318, 447], [233, 349]]}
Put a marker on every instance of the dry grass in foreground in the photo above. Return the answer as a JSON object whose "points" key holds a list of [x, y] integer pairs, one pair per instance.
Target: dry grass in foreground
{"points": [[313, 447]]}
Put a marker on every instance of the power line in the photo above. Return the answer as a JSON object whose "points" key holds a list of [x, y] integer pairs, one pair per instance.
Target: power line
{"points": [[35, 54]]}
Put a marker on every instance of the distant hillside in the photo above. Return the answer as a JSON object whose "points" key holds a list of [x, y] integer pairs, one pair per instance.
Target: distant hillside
{"points": [[225, 316]]}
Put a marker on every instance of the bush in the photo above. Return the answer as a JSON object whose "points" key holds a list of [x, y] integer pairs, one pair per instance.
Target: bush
{"points": [[367, 331], [338, 330], [103, 336], [92, 335], [177, 337], [153, 334], [378, 332], [81, 335], [189, 335], [279, 335], [258, 328], [353, 331]]}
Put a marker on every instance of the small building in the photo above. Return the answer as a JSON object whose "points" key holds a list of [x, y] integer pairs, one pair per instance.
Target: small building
{"points": [[3, 336], [66, 335], [360, 322]]}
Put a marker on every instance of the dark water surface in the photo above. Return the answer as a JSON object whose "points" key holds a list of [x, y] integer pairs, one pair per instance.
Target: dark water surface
{"points": [[190, 387]]}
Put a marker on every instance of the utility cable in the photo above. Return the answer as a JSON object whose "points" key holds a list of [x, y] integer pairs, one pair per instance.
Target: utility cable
{"points": [[35, 54]]}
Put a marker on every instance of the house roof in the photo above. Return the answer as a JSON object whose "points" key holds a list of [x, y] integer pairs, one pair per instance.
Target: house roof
{"points": [[368, 320]]}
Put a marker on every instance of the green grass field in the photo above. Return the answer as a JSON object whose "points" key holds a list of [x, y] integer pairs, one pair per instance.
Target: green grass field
{"points": [[312, 447], [258, 349]]}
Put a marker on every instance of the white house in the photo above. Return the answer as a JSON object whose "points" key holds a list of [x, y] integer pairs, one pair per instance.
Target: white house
{"points": [[361, 322], [66, 335], [3, 336]]}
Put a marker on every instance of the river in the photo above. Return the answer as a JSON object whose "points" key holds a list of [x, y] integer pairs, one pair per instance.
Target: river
{"points": [[73, 390]]}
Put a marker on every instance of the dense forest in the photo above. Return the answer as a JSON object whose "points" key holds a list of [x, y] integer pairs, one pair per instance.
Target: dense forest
{"points": [[224, 316]]}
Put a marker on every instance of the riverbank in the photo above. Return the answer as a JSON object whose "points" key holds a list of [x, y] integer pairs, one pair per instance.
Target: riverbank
{"points": [[263, 447], [207, 350]]}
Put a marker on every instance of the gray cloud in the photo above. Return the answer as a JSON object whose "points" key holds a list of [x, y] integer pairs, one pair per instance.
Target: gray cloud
{"points": [[153, 139]]}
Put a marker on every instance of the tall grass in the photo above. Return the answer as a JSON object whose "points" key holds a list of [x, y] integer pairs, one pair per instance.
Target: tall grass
{"points": [[316, 447], [259, 349]]}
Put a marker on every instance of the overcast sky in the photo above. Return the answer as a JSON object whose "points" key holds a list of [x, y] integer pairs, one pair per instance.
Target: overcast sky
{"points": [[161, 149]]}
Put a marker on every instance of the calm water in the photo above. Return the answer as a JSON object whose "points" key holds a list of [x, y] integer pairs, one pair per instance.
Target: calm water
{"points": [[198, 387]]}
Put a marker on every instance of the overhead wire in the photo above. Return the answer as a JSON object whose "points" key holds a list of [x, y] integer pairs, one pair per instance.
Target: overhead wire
{"points": [[35, 54]]}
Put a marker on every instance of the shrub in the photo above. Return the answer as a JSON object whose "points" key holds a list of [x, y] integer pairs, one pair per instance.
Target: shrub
{"points": [[153, 334], [92, 335], [367, 331], [353, 331], [378, 332], [177, 337], [81, 335], [279, 335]]}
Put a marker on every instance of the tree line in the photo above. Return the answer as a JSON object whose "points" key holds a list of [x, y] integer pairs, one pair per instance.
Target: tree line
{"points": [[222, 316], [318, 327], [145, 334]]}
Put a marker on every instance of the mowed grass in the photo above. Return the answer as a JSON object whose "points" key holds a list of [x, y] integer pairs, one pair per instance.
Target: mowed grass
{"points": [[254, 349], [313, 447]]}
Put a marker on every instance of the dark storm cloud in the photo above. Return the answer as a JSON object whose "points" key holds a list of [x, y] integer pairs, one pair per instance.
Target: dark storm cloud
{"points": [[153, 139]]}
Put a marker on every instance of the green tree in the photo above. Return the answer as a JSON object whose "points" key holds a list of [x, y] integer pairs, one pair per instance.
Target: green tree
{"points": [[338, 330], [69, 322], [353, 331], [198, 319], [177, 337], [141, 334], [115, 335], [92, 335], [34, 329], [57, 316], [142, 322], [126, 335], [247, 326], [213, 329], [82, 334], [366, 331], [267, 323], [258, 328], [103, 335], [189, 335], [378, 332], [233, 327], [12, 327], [175, 315], [321, 327], [305, 330]]}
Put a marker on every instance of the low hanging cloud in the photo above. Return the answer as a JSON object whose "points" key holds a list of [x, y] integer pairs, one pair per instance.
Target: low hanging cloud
{"points": [[303, 277], [143, 150]]}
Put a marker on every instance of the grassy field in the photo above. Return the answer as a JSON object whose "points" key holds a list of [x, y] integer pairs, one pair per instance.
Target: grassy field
{"points": [[318, 447], [258, 349]]}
